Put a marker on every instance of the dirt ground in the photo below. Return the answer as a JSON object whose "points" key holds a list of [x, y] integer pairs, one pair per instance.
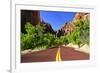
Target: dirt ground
{"points": [[67, 54]]}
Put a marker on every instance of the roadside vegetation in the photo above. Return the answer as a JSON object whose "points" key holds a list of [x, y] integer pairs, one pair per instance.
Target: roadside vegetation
{"points": [[36, 38]]}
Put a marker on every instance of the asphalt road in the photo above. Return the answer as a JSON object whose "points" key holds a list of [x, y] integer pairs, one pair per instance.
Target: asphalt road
{"points": [[54, 54]]}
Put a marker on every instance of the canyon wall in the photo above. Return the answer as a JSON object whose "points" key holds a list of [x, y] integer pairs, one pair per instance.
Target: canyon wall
{"points": [[69, 26], [29, 16], [34, 18]]}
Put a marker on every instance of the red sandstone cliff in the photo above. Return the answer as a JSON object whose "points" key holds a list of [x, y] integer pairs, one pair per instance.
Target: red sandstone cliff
{"points": [[29, 16], [34, 18], [69, 26], [81, 15]]}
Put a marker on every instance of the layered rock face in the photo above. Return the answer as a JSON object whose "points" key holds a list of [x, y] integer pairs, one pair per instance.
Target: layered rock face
{"points": [[29, 16], [66, 29], [81, 15], [69, 26], [48, 27], [34, 18]]}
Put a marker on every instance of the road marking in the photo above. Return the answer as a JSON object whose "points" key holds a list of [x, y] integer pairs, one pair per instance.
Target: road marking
{"points": [[58, 56]]}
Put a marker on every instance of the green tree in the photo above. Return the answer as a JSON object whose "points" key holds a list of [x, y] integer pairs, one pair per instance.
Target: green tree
{"points": [[36, 38], [33, 37], [81, 33], [49, 39]]}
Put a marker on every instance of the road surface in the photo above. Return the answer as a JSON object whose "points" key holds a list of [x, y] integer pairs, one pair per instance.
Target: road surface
{"points": [[54, 54]]}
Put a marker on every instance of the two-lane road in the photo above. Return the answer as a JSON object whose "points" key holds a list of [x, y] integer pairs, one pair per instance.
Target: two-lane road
{"points": [[54, 54]]}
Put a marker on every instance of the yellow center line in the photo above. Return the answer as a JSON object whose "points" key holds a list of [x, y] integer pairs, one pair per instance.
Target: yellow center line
{"points": [[58, 56]]}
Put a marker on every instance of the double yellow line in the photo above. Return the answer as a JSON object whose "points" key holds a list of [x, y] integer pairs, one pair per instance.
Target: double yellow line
{"points": [[58, 56]]}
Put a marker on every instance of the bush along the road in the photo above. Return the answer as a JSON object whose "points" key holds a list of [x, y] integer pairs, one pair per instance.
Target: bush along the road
{"points": [[32, 38], [36, 38], [80, 35]]}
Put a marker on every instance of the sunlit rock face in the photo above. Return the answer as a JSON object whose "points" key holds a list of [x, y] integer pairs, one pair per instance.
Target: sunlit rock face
{"points": [[29, 16], [81, 15], [69, 26], [66, 29], [34, 18]]}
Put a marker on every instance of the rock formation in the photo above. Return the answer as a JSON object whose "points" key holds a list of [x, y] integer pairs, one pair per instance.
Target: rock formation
{"points": [[69, 26], [66, 29], [29, 16], [81, 15], [34, 18], [48, 27]]}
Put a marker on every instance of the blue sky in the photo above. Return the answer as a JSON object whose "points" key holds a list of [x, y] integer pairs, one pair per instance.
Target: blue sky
{"points": [[57, 19]]}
